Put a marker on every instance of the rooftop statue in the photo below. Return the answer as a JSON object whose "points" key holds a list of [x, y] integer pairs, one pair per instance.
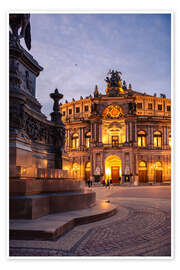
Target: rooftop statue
{"points": [[114, 83], [114, 80], [21, 21]]}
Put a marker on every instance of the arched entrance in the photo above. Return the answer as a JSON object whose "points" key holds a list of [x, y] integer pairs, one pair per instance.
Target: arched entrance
{"points": [[158, 172], [113, 168], [87, 171], [142, 172], [76, 170]]}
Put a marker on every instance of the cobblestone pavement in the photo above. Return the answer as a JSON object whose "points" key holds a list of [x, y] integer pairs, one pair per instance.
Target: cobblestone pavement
{"points": [[142, 227]]}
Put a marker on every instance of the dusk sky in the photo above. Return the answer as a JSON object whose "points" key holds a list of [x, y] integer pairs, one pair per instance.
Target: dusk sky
{"points": [[77, 50]]}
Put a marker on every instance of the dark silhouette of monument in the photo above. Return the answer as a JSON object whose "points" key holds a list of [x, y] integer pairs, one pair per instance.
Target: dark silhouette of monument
{"points": [[38, 185]]}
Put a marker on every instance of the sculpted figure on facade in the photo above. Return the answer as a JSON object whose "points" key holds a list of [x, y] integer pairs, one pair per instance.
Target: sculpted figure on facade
{"points": [[21, 21]]}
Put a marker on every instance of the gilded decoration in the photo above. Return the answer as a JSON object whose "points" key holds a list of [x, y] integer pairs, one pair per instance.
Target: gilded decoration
{"points": [[113, 112]]}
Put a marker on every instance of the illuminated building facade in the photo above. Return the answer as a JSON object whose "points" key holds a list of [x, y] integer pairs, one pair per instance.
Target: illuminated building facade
{"points": [[124, 135]]}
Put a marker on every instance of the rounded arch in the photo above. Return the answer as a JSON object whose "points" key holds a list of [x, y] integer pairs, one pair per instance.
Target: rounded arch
{"points": [[141, 138], [157, 132], [141, 132], [158, 165], [76, 170], [142, 171], [87, 139], [113, 111], [75, 140], [157, 138], [113, 168], [142, 164], [158, 172]]}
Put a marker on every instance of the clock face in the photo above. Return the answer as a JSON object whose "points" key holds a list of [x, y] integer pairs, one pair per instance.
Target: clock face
{"points": [[113, 111]]}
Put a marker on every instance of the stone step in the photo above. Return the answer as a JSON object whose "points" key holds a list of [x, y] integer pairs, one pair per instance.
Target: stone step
{"points": [[54, 225], [38, 205]]}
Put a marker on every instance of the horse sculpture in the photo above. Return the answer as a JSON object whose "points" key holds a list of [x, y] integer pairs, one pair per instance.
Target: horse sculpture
{"points": [[17, 21]]}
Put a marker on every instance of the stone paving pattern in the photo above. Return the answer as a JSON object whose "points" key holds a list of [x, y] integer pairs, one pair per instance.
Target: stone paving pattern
{"points": [[142, 227]]}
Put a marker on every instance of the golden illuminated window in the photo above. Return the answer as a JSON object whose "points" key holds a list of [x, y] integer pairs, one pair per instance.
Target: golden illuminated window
{"points": [[87, 139], [115, 140], [170, 140], [141, 138], [142, 164], [157, 139], [113, 111], [158, 164], [75, 141]]}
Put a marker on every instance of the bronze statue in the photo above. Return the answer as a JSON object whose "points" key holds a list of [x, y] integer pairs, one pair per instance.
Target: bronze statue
{"points": [[17, 21]]}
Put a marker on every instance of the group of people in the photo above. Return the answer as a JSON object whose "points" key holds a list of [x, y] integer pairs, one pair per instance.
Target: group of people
{"points": [[107, 182]]}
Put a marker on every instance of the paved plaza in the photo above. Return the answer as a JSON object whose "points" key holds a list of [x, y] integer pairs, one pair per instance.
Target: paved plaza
{"points": [[141, 227]]}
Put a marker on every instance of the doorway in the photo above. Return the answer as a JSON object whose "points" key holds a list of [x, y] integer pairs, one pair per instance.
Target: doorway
{"points": [[115, 174], [158, 172], [142, 172], [113, 168]]}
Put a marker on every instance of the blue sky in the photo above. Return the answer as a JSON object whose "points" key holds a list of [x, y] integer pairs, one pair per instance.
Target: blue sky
{"points": [[77, 50]]}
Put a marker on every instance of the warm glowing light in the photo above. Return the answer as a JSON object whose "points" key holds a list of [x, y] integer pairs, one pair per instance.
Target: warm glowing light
{"points": [[75, 141], [141, 138], [157, 139], [108, 172], [170, 140], [113, 111]]}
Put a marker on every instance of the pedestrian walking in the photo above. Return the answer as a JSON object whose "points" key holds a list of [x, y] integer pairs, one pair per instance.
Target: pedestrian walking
{"points": [[89, 183], [106, 182]]}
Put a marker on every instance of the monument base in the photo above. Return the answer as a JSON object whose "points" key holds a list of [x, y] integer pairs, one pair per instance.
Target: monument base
{"points": [[35, 206]]}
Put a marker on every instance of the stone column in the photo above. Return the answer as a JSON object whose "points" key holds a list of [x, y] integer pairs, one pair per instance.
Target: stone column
{"points": [[91, 161], [69, 138], [73, 110], [126, 130], [82, 134], [130, 130], [135, 131], [95, 131], [80, 137], [100, 132], [148, 135], [152, 135]]}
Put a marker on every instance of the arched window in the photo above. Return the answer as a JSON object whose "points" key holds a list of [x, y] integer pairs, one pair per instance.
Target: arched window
{"points": [[75, 141], [170, 140], [158, 165], [87, 139], [141, 138], [157, 139], [142, 164]]}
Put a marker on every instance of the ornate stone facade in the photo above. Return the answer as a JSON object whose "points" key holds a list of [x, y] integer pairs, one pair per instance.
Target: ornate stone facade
{"points": [[35, 142], [123, 135]]}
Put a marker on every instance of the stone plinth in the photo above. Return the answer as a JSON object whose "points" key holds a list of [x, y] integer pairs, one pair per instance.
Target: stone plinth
{"points": [[35, 206], [34, 186]]}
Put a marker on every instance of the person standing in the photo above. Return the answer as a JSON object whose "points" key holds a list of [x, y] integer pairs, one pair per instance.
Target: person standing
{"points": [[119, 179], [89, 183], [106, 182]]}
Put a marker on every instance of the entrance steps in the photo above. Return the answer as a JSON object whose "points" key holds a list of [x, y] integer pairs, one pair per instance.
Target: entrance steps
{"points": [[52, 226]]}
